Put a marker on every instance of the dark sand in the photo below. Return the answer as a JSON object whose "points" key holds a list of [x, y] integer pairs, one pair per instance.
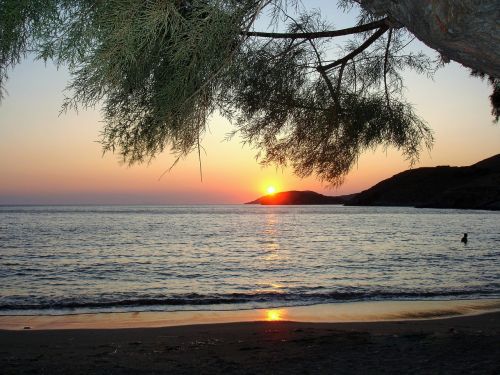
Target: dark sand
{"points": [[462, 345]]}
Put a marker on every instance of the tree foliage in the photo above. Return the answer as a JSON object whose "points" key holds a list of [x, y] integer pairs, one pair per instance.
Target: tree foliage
{"points": [[303, 93]]}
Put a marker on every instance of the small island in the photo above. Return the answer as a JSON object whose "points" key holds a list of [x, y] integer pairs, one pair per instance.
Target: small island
{"points": [[300, 197]]}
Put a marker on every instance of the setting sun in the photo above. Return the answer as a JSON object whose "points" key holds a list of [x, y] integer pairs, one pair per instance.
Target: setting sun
{"points": [[271, 190]]}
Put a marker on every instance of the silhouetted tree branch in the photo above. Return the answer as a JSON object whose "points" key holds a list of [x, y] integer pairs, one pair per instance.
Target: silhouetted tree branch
{"points": [[320, 34], [305, 94]]}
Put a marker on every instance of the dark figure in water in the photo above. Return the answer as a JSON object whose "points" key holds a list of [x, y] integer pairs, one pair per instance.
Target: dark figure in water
{"points": [[464, 238]]}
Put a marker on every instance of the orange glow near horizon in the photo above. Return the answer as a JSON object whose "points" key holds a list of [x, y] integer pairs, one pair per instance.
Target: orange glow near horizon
{"points": [[52, 159], [274, 315]]}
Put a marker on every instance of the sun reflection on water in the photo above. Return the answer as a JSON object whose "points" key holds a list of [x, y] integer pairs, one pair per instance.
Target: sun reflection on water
{"points": [[269, 240], [274, 315]]}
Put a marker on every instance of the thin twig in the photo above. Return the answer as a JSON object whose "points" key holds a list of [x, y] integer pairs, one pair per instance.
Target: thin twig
{"points": [[386, 69], [199, 156], [339, 79], [355, 76]]}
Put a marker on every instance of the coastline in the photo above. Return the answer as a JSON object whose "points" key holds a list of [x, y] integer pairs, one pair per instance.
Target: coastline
{"points": [[341, 312], [463, 344]]}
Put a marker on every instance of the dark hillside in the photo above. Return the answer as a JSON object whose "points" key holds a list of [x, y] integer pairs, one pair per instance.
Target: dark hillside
{"points": [[475, 187]]}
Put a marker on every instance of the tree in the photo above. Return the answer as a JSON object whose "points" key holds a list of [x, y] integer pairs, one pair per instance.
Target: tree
{"points": [[303, 93], [464, 31]]}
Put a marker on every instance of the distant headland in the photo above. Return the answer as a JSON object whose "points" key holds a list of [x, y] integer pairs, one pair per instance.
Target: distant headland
{"points": [[473, 187], [300, 197]]}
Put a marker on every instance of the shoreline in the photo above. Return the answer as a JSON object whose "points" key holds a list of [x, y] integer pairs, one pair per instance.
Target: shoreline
{"points": [[340, 312]]}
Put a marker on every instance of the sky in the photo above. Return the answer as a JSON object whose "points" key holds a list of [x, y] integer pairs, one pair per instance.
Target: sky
{"points": [[52, 158]]}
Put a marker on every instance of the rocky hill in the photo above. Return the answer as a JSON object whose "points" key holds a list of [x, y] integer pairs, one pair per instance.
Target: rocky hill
{"points": [[299, 197], [473, 187]]}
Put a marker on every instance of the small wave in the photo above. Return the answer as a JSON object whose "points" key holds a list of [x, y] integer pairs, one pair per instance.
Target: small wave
{"points": [[266, 298]]}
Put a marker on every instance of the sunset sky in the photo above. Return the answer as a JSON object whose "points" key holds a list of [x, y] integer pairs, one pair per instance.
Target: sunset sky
{"points": [[47, 158]]}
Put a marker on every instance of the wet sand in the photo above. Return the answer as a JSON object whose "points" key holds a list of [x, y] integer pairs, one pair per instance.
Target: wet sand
{"points": [[467, 345], [364, 311]]}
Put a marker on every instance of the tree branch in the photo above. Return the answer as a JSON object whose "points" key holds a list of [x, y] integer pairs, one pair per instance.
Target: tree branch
{"points": [[322, 72], [341, 73], [368, 42], [320, 34], [355, 76]]}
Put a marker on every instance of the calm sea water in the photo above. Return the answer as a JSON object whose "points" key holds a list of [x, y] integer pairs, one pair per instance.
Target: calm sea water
{"points": [[57, 259]]}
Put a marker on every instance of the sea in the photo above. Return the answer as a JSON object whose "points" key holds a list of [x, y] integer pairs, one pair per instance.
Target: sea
{"points": [[84, 259]]}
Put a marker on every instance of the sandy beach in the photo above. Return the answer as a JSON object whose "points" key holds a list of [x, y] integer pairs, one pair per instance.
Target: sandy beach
{"points": [[465, 344]]}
